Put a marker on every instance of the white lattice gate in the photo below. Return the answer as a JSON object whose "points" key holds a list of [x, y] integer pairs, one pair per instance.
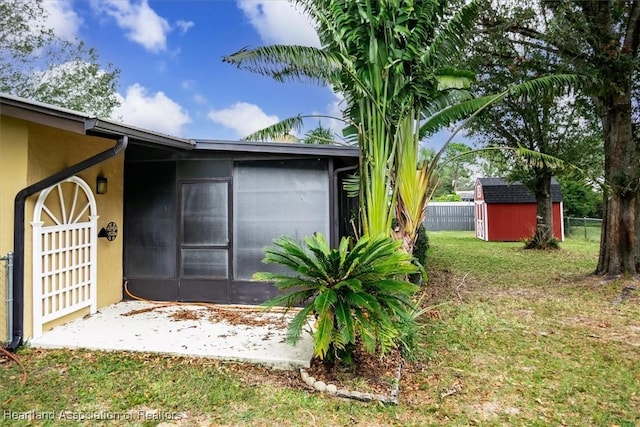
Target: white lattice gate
{"points": [[64, 252]]}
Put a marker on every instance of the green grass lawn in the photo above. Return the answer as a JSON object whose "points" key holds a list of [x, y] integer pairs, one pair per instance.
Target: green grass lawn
{"points": [[514, 337]]}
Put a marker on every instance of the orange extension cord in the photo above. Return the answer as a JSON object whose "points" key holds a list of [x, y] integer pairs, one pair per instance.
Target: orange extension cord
{"points": [[15, 359], [213, 306], [24, 371]]}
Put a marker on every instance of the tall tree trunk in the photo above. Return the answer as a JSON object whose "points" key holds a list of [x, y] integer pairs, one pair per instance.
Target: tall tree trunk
{"points": [[619, 243], [543, 235]]}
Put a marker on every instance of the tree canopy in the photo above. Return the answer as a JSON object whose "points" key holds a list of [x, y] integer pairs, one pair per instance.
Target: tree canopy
{"points": [[600, 39], [38, 65], [564, 127]]}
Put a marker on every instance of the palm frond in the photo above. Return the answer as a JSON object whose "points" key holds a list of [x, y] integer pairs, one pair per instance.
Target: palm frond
{"points": [[323, 305], [393, 287], [283, 281], [455, 113], [454, 79], [318, 245], [345, 321], [353, 284], [277, 130], [367, 331], [288, 252], [556, 84], [286, 126], [551, 85], [541, 160], [289, 300], [450, 39], [288, 63], [445, 100], [351, 184], [294, 331]]}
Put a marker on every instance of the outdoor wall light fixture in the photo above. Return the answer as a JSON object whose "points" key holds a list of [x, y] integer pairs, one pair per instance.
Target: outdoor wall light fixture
{"points": [[101, 184]]}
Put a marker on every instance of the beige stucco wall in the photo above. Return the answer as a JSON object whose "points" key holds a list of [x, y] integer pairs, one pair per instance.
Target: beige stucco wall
{"points": [[13, 177], [44, 151]]}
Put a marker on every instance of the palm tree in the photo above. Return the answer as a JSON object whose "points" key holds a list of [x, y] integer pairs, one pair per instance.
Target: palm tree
{"points": [[391, 61], [319, 135], [389, 58]]}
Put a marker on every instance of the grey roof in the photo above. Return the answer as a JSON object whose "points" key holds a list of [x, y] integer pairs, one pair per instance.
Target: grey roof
{"points": [[320, 150], [499, 190]]}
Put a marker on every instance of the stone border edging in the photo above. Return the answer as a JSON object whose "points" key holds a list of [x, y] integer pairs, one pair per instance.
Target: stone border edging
{"points": [[333, 390]]}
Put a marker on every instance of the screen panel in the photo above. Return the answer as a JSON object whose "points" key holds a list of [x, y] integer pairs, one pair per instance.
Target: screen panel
{"points": [[273, 199]]}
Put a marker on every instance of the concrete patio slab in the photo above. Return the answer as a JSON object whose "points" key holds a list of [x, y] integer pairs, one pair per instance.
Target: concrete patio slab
{"points": [[219, 332]]}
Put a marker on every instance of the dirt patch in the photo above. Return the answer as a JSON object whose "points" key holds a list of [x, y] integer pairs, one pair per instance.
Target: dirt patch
{"points": [[489, 410], [444, 285], [605, 331]]}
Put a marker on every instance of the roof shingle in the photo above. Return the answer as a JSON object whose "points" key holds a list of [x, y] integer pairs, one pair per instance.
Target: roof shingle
{"points": [[498, 190]]}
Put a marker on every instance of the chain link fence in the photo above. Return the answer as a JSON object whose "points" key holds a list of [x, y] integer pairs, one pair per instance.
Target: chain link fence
{"points": [[588, 228]]}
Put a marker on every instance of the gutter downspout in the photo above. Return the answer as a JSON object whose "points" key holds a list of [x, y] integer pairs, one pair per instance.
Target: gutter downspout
{"points": [[18, 230]]}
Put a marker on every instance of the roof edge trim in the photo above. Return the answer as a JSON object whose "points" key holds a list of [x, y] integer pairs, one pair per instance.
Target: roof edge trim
{"points": [[278, 148], [115, 130]]}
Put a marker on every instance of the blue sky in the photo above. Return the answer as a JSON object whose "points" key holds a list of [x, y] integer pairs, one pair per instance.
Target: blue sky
{"points": [[170, 54]]}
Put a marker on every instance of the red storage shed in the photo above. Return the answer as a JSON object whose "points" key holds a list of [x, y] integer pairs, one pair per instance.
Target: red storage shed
{"points": [[506, 212]]}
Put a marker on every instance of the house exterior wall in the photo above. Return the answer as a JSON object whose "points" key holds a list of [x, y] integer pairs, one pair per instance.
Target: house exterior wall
{"points": [[14, 142], [49, 151]]}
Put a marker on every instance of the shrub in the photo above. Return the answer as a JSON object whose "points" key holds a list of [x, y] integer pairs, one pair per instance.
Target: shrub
{"points": [[542, 241], [453, 197], [354, 292]]}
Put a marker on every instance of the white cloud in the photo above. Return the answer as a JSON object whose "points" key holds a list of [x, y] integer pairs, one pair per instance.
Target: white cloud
{"points": [[199, 99], [191, 86], [278, 22], [141, 23], [61, 17], [184, 25], [243, 118], [156, 112], [335, 109]]}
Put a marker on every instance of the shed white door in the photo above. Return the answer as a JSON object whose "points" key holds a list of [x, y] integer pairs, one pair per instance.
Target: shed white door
{"points": [[481, 220], [64, 252]]}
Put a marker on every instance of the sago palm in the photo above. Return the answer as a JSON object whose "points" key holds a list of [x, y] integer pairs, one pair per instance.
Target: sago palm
{"points": [[356, 293]]}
